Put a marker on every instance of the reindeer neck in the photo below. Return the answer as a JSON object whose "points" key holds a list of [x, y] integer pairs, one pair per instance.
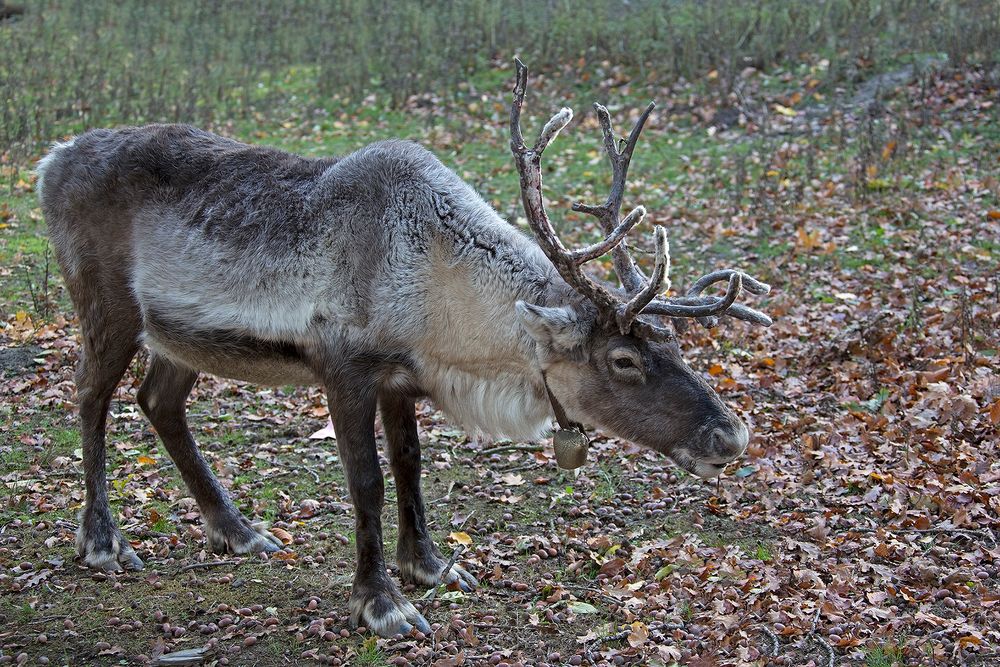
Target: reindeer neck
{"points": [[483, 371]]}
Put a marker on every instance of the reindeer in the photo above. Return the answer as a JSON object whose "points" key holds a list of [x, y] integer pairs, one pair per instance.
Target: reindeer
{"points": [[385, 278]]}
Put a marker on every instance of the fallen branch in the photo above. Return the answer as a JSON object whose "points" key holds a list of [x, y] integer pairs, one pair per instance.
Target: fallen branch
{"points": [[502, 449], [826, 649], [451, 563], [971, 535], [208, 563], [775, 646]]}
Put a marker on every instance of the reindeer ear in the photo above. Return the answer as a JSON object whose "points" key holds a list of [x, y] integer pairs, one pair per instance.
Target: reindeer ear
{"points": [[558, 330]]}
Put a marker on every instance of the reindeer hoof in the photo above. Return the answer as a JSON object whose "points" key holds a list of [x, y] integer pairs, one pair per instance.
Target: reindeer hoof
{"points": [[466, 581], [387, 613], [426, 571], [103, 547], [237, 535]]}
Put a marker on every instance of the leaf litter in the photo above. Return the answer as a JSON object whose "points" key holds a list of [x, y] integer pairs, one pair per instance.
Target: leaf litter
{"points": [[860, 526]]}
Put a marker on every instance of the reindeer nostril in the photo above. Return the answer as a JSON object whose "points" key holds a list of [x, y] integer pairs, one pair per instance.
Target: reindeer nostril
{"points": [[729, 443]]}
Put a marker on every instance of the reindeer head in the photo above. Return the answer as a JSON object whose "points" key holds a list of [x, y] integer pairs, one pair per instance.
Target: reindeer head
{"points": [[603, 356]]}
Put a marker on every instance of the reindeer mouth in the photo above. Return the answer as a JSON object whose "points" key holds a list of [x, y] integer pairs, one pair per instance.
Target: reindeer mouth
{"points": [[705, 468], [720, 450]]}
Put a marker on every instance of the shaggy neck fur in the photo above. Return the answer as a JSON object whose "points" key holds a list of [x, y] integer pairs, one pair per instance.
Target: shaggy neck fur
{"points": [[489, 380]]}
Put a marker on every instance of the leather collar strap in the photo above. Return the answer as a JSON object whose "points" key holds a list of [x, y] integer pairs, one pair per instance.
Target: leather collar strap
{"points": [[557, 408]]}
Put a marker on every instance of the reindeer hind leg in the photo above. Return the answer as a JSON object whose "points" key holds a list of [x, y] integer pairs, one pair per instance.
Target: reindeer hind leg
{"points": [[110, 325], [162, 397]]}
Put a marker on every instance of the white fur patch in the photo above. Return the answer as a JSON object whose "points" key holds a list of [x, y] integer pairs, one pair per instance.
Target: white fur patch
{"points": [[413, 571], [402, 611], [121, 553], [502, 404], [213, 302], [254, 540], [47, 160]]}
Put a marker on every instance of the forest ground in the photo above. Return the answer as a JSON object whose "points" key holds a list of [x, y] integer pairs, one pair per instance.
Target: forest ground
{"points": [[859, 528]]}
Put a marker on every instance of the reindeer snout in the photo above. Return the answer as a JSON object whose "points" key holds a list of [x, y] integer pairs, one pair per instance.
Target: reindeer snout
{"points": [[730, 441]]}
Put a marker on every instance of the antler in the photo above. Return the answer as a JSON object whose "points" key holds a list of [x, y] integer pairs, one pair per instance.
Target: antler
{"points": [[629, 274], [708, 307], [642, 293], [568, 263]]}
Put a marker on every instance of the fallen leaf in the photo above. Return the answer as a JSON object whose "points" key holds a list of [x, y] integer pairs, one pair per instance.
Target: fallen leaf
{"points": [[512, 479], [325, 433], [283, 535], [461, 538], [580, 607], [639, 634]]}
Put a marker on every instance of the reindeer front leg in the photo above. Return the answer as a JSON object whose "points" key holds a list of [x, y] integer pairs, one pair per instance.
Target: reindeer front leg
{"points": [[419, 560], [376, 601]]}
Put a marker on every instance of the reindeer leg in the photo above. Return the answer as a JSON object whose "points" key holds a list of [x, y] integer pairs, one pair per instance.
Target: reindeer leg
{"points": [[419, 560], [376, 601], [162, 397], [109, 343]]}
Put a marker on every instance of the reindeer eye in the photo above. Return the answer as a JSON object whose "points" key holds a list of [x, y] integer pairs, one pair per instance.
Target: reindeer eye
{"points": [[624, 363]]}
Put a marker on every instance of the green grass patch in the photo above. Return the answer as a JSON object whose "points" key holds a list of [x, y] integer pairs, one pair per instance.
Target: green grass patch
{"points": [[889, 655], [370, 655]]}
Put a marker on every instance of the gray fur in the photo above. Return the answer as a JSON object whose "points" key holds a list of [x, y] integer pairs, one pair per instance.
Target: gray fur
{"points": [[382, 276]]}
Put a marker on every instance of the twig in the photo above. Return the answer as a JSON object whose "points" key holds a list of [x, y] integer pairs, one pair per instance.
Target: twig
{"points": [[961, 532], [465, 521], [289, 470], [589, 650], [520, 468], [511, 448], [432, 593], [988, 532], [970, 535], [593, 591], [667, 627], [313, 472], [208, 563], [451, 563], [446, 497], [48, 619], [825, 647], [607, 639], [503, 626], [775, 646]]}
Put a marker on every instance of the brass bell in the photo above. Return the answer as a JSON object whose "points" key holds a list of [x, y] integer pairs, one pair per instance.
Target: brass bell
{"points": [[571, 448]]}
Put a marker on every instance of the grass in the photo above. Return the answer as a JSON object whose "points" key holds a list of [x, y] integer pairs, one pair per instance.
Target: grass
{"points": [[74, 66], [889, 655], [762, 553], [370, 655]]}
